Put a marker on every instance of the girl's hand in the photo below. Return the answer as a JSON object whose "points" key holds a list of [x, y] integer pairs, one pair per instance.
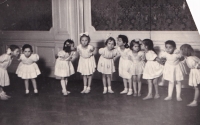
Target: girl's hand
{"points": [[161, 61]]}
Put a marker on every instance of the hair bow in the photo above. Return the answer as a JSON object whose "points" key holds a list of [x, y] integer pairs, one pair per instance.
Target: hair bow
{"points": [[86, 33], [109, 35], [8, 51]]}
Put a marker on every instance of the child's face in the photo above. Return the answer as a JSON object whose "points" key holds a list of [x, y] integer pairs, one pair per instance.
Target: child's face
{"points": [[120, 42], [27, 52], [110, 45], [84, 41], [15, 52], [143, 47], [136, 47], [169, 48]]}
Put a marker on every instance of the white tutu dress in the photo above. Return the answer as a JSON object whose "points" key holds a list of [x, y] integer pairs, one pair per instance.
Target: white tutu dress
{"points": [[28, 69], [138, 62], [5, 61], [152, 68], [124, 63], [64, 67], [86, 64], [106, 66], [194, 76], [174, 70]]}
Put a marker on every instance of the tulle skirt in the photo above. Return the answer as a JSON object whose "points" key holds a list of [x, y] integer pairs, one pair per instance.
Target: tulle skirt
{"points": [[28, 71], [106, 66], [124, 67], [137, 68], [4, 78], [194, 77], [63, 68], [152, 70], [174, 73], [86, 66]]}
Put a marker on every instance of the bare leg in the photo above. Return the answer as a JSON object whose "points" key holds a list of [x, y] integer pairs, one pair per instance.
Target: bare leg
{"points": [[64, 91], [34, 85], [134, 85], [109, 84], [170, 91], [125, 87], [162, 81], [149, 96], [139, 84], [196, 95], [178, 91], [155, 82], [66, 81], [26, 81], [104, 83], [89, 83], [130, 91], [85, 83]]}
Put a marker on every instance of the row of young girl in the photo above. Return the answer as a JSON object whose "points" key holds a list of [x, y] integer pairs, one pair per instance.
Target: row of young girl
{"points": [[133, 63]]}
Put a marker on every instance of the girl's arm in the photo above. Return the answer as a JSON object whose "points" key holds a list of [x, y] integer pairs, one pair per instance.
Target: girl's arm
{"points": [[92, 48]]}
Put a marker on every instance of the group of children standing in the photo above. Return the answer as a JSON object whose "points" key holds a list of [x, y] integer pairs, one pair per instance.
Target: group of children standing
{"points": [[137, 60]]}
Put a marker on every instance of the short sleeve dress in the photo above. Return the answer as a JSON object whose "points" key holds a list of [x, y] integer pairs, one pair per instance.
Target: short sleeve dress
{"points": [[124, 63], [86, 64], [194, 76], [138, 62], [152, 68], [5, 61], [106, 66], [64, 67], [173, 68], [27, 68]]}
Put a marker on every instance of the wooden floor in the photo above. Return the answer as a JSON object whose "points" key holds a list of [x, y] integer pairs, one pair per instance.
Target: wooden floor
{"points": [[51, 108]]}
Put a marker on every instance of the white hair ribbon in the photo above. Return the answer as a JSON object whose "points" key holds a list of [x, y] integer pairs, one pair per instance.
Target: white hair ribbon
{"points": [[86, 33]]}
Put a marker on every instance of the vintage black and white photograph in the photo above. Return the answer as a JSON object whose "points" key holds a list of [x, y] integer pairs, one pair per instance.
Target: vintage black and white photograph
{"points": [[99, 62]]}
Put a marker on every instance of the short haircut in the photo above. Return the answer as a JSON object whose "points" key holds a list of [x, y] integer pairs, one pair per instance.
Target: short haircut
{"points": [[111, 39]]}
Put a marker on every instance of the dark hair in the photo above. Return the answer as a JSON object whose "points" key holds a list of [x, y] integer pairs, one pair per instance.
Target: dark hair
{"points": [[84, 35], [187, 50], [27, 46], [149, 44], [67, 47], [133, 42], [125, 40], [170, 42], [13, 47], [111, 39]]}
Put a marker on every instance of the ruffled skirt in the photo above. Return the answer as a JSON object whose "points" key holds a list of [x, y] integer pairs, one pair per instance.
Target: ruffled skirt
{"points": [[63, 68], [137, 68], [4, 78], [106, 66], [28, 71], [86, 66], [152, 70], [194, 77], [124, 67]]}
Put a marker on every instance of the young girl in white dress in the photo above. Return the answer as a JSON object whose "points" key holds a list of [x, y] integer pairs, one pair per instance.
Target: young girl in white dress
{"points": [[193, 63], [28, 69], [173, 69], [124, 64], [138, 62], [106, 64], [152, 69], [63, 65], [5, 61], [86, 64]]}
